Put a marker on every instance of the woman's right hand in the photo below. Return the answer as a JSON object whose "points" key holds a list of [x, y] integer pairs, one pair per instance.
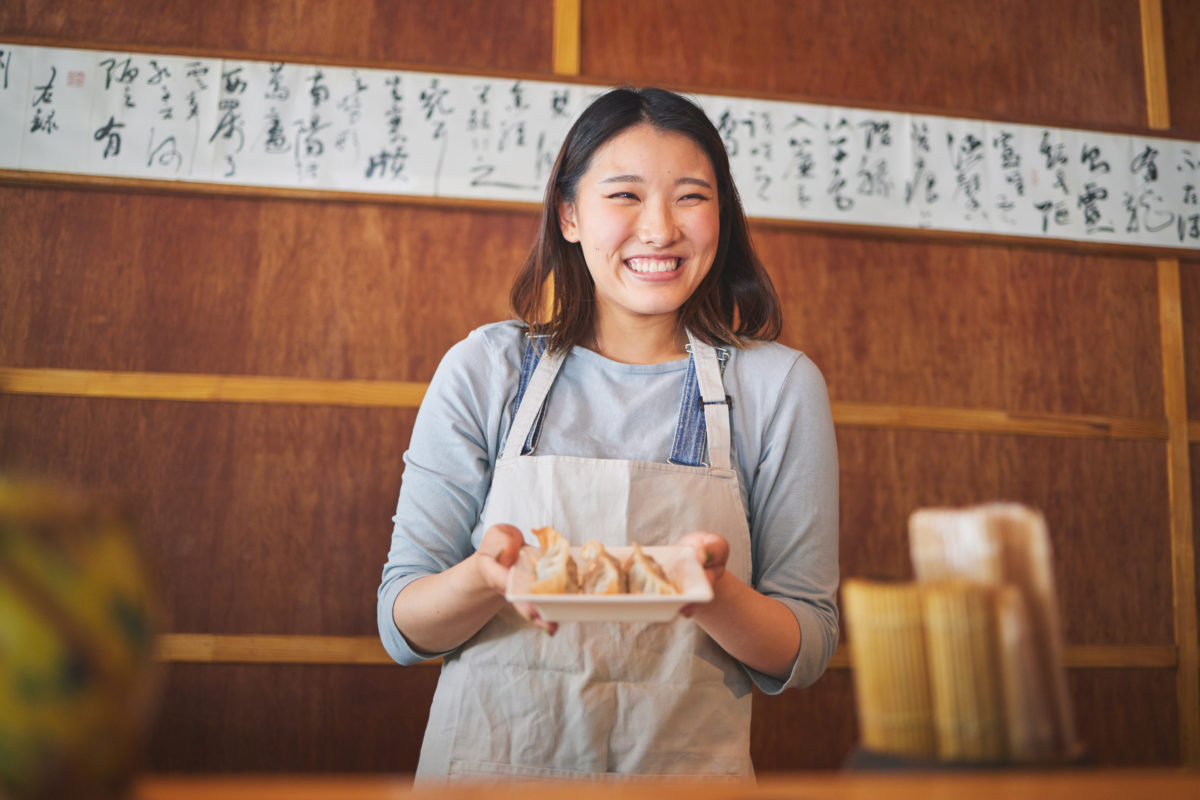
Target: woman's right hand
{"points": [[498, 551]]}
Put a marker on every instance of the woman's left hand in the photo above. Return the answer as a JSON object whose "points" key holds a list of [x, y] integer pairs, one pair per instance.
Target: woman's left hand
{"points": [[712, 551]]}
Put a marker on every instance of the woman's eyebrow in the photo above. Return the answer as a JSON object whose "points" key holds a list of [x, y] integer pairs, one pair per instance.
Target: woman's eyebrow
{"points": [[624, 179], [640, 179]]}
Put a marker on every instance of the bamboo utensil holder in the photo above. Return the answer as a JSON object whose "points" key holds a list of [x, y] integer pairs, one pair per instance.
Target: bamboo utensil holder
{"points": [[891, 679]]}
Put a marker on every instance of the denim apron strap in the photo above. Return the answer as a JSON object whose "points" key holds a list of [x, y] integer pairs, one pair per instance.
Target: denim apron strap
{"points": [[703, 398], [538, 370]]}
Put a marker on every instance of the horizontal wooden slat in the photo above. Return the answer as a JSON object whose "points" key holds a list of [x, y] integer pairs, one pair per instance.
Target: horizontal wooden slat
{"points": [[267, 649], [996, 421], [263, 649], [210, 388], [258, 389]]}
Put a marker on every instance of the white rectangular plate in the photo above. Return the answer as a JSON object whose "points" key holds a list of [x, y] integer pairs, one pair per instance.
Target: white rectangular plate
{"points": [[679, 563]]}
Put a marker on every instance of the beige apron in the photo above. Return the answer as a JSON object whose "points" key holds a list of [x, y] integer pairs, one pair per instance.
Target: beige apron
{"points": [[600, 700]]}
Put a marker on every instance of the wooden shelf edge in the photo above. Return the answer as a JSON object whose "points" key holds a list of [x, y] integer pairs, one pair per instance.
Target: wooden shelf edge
{"points": [[966, 420], [190, 387], [206, 648], [210, 388]]}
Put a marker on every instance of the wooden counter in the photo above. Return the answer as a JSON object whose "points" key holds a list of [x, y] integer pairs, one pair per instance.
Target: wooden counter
{"points": [[1088, 784]]}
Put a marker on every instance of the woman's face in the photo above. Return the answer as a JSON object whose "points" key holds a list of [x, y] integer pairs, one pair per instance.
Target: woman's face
{"points": [[647, 218]]}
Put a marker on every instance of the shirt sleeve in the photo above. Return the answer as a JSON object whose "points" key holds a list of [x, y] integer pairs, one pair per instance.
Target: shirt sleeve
{"points": [[793, 509], [448, 469]]}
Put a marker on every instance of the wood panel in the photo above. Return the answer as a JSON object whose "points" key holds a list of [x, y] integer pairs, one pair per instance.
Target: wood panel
{"points": [[304, 717], [814, 728], [1189, 299], [976, 327], [1126, 717], [1105, 504], [262, 718], [237, 286], [318, 718], [1194, 460], [514, 35], [257, 519], [1181, 31], [1076, 61]]}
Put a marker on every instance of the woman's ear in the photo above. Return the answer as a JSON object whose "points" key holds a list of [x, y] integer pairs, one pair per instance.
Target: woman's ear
{"points": [[566, 221]]}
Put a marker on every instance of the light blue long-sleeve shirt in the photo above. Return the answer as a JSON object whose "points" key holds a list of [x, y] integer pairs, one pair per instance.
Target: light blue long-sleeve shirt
{"points": [[783, 446]]}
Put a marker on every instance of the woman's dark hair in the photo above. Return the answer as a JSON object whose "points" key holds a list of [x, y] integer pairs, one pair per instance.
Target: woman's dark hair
{"points": [[735, 302]]}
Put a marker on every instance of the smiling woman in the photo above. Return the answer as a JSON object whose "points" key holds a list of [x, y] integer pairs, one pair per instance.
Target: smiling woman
{"points": [[661, 313], [734, 300], [646, 216]]}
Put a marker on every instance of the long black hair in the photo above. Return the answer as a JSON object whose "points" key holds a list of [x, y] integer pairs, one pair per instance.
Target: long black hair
{"points": [[735, 302]]}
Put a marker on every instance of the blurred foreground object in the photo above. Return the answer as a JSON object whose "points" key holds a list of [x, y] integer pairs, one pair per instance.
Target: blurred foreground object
{"points": [[77, 674], [965, 664]]}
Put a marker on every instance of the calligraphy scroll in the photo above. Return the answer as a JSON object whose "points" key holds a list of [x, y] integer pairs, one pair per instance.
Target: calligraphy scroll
{"points": [[422, 134]]}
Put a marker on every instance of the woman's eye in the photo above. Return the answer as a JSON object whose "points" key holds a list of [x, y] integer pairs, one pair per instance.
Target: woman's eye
{"points": [[623, 196]]}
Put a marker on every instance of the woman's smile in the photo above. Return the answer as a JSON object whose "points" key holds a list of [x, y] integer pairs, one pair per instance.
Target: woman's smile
{"points": [[653, 265]]}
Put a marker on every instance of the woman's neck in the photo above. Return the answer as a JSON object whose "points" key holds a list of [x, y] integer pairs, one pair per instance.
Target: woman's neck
{"points": [[643, 342]]}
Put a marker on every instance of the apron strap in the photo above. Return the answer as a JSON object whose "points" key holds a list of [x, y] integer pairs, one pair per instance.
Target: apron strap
{"points": [[538, 370], [704, 410], [703, 413]]}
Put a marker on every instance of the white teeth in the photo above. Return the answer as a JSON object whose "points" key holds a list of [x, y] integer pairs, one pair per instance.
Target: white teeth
{"points": [[653, 264]]}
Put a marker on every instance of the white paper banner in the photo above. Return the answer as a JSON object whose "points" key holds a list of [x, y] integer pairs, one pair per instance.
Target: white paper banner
{"points": [[344, 129]]}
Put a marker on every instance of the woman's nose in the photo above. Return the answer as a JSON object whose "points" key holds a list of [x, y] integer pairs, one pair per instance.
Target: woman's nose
{"points": [[656, 225]]}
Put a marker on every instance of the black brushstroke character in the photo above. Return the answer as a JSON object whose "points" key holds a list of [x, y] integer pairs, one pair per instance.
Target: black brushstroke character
{"points": [[108, 134]]}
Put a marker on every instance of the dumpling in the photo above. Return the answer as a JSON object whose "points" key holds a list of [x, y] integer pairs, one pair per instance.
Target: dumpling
{"points": [[555, 571], [646, 575], [602, 573]]}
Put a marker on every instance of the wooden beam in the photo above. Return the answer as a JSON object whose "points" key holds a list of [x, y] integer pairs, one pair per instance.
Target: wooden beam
{"points": [[207, 648], [1179, 494], [399, 394], [1179, 483], [566, 37], [981, 420], [209, 388], [1154, 65]]}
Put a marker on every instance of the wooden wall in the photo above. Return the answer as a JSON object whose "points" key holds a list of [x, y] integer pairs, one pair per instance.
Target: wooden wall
{"points": [[962, 369]]}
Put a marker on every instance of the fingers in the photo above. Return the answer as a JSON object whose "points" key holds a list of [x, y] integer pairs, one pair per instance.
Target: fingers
{"points": [[712, 551], [711, 548], [498, 551], [503, 543]]}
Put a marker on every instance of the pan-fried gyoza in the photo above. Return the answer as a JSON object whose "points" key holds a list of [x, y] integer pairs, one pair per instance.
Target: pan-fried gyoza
{"points": [[602, 573], [555, 572], [646, 575], [598, 571]]}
